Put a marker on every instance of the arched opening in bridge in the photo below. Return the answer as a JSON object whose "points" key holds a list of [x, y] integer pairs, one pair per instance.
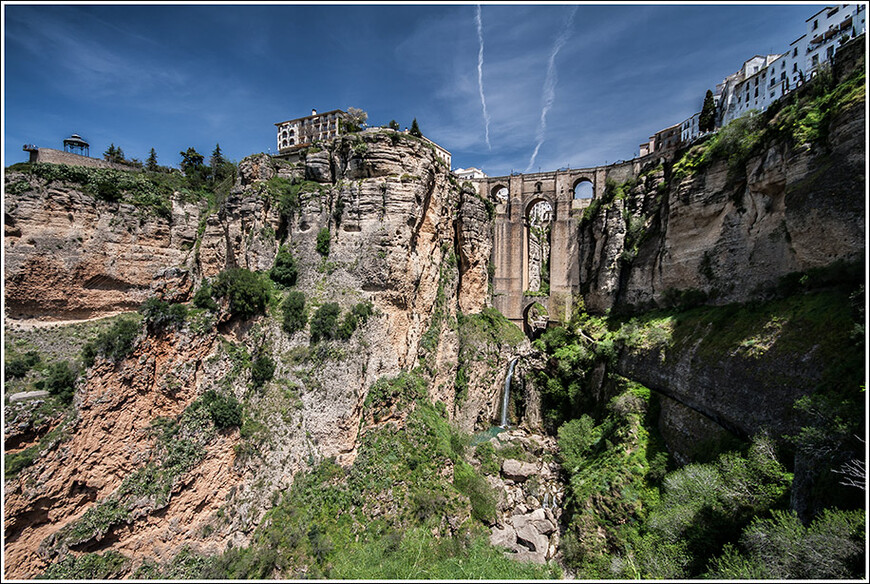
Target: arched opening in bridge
{"points": [[499, 192], [535, 319], [539, 220], [583, 189]]}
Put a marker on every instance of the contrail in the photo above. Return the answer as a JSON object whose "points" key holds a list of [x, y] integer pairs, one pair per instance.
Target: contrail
{"points": [[550, 86], [479, 23]]}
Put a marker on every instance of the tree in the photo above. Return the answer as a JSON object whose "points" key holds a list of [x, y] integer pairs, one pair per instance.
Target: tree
{"points": [[415, 129], [151, 162], [393, 125], [355, 119], [323, 242], [113, 154], [191, 160], [324, 323], [707, 120], [193, 168], [218, 164], [294, 313]]}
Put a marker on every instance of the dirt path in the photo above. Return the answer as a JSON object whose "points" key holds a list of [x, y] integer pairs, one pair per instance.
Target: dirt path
{"points": [[35, 323]]}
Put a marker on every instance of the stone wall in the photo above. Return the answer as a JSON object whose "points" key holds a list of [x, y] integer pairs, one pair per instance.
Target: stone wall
{"points": [[52, 156]]}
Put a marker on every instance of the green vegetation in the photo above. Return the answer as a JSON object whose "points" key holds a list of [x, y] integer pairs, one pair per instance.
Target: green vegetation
{"points": [[203, 298], [60, 380], [245, 291], [323, 239], [415, 129], [707, 119], [324, 322], [160, 315], [294, 314], [262, 370], [802, 118], [114, 343], [384, 517], [87, 567], [285, 271], [358, 314], [224, 410], [19, 365]]}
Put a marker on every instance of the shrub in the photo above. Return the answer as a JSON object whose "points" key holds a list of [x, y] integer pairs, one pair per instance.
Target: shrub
{"points": [[225, 411], [203, 299], [262, 370], [323, 242], [324, 322], [87, 567], [245, 291], [60, 380], [161, 315], [285, 271], [19, 365], [469, 483], [358, 314], [295, 317], [114, 343], [781, 548]]}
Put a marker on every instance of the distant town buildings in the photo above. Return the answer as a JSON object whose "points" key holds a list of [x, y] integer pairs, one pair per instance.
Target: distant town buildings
{"points": [[294, 134], [765, 78], [469, 173]]}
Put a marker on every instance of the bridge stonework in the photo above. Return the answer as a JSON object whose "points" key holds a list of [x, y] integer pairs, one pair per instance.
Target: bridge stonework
{"points": [[510, 254]]}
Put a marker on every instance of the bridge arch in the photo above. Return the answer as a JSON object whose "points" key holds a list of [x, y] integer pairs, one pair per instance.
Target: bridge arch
{"points": [[583, 188], [499, 191]]}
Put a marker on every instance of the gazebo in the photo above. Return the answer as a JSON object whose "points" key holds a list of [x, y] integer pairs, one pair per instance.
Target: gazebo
{"points": [[76, 145]]}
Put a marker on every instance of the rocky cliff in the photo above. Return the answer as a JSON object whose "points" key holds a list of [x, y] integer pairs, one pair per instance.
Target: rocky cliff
{"points": [[401, 235]]}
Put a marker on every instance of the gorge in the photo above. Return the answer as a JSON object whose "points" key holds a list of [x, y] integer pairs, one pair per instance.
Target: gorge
{"points": [[327, 368]]}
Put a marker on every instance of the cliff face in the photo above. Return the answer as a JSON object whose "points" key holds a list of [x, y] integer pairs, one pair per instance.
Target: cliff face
{"points": [[402, 236], [730, 233]]}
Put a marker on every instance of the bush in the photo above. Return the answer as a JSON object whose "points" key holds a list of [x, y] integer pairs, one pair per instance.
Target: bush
{"points": [[358, 314], [114, 343], [262, 370], [781, 548], [19, 365], [285, 271], [324, 322], [469, 483], [246, 292], [60, 380], [203, 299], [225, 411], [295, 317], [161, 315], [323, 242]]}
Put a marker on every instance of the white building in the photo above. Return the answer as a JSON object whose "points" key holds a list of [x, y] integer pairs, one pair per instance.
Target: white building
{"points": [[305, 131], [829, 28], [469, 173], [440, 152], [763, 80]]}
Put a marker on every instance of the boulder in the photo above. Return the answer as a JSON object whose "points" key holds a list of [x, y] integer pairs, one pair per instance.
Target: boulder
{"points": [[518, 470]]}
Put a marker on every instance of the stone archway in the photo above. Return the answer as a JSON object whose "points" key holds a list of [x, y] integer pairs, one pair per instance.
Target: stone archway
{"points": [[538, 221], [536, 317], [583, 188]]}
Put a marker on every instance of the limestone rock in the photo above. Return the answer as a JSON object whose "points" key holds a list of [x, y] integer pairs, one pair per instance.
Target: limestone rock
{"points": [[518, 470]]}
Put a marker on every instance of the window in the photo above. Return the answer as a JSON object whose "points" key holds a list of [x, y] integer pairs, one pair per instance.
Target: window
{"points": [[815, 24], [795, 53], [794, 68], [772, 94], [830, 53], [815, 60], [756, 92]]}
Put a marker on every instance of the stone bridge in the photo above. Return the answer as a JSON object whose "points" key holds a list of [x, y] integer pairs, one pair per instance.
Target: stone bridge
{"points": [[568, 192]]}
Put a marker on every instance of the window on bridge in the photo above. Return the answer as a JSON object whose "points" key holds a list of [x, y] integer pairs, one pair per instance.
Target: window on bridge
{"points": [[540, 221], [583, 189]]}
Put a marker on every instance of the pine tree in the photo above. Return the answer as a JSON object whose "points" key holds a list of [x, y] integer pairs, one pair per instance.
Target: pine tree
{"points": [[415, 129], [707, 119], [113, 154], [151, 162], [217, 158]]}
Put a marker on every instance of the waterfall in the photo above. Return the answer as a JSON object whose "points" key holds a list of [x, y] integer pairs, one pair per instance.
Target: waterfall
{"points": [[507, 392]]}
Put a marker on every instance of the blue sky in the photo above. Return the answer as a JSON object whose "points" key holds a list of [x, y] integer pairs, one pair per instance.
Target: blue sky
{"points": [[563, 84]]}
